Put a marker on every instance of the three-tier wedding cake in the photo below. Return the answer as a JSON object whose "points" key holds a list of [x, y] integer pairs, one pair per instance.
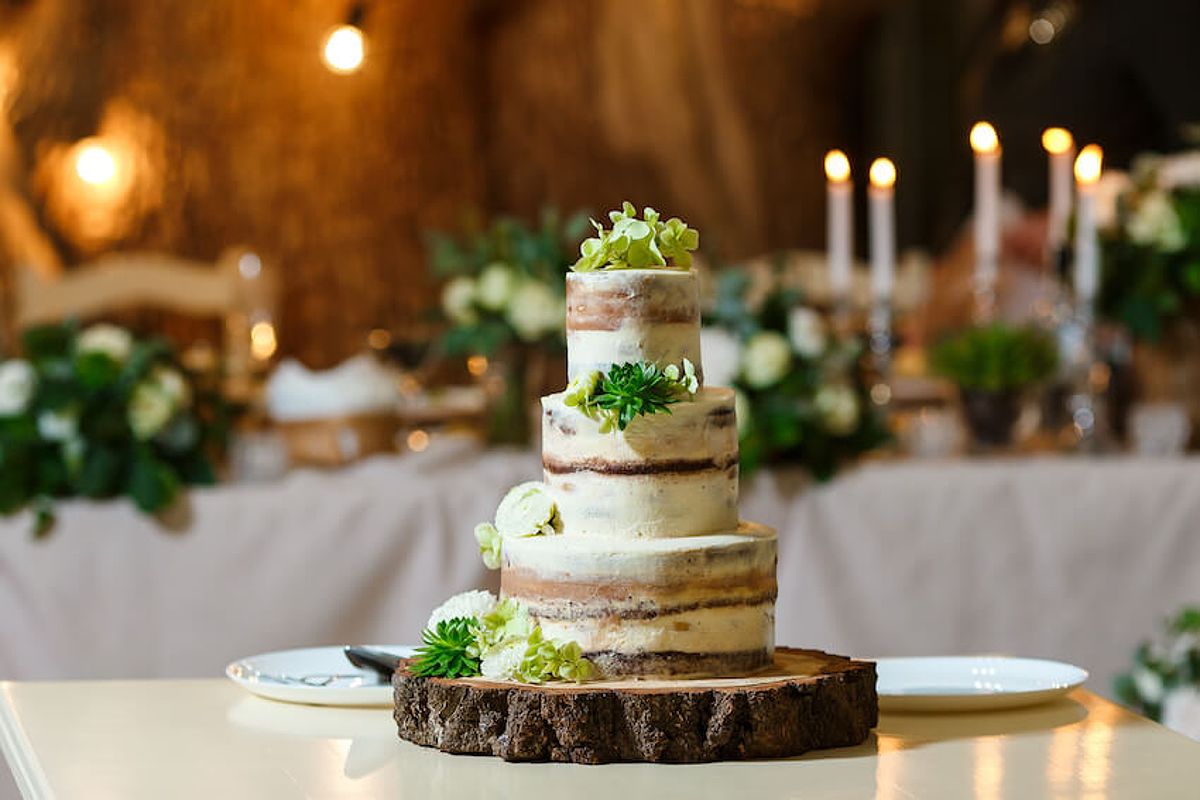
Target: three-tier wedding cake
{"points": [[653, 573]]}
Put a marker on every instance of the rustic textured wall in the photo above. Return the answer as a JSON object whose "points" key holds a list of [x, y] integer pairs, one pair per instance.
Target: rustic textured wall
{"points": [[718, 111]]}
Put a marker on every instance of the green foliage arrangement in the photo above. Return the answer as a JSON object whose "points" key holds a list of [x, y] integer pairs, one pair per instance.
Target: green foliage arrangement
{"points": [[801, 397], [631, 390], [1150, 270], [97, 413], [996, 358], [445, 650], [1160, 667], [635, 243], [505, 283], [473, 633]]}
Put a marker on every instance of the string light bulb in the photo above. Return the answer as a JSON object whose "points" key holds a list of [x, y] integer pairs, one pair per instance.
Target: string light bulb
{"points": [[94, 163], [345, 49]]}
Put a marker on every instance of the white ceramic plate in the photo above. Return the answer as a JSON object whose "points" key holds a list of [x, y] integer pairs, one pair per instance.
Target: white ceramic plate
{"points": [[971, 683], [279, 676]]}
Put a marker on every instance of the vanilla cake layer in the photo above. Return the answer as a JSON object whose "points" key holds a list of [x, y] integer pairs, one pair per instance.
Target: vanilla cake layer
{"points": [[630, 315], [702, 605], [664, 475]]}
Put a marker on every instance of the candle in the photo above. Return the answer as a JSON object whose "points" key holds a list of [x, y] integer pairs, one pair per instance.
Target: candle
{"points": [[1060, 150], [1087, 252], [839, 221], [986, 145], [883, 228]]}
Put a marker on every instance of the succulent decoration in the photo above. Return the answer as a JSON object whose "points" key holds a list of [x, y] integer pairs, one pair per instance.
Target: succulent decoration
{"points": [[634, 243], [475, 634], [630, 390]]}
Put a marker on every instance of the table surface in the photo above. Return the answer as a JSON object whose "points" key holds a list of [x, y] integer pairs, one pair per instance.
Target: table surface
{"points": [[208, 738]]}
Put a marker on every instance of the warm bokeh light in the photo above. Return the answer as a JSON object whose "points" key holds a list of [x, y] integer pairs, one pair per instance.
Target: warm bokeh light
{"points": [[379, 339], [94, 163], [1089, 164], [477, 365], [249, 266], [418, 440], [262, 340], [837, 166], [883, 173], [344, 50], [984, 138], [1057, 141]]}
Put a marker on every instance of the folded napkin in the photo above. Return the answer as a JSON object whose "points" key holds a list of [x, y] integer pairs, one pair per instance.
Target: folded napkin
{"points": [[359, 385]]}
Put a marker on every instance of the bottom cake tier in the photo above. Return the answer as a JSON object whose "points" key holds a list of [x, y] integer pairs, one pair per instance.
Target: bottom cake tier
{"points": [[688, 607]]}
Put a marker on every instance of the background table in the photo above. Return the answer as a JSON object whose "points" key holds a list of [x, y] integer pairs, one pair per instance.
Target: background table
{"points": [[1063, 558], [206, 739]]}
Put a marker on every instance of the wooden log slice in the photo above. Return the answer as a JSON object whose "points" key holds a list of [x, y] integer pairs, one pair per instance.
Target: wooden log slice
{"points": [[808, 700]]}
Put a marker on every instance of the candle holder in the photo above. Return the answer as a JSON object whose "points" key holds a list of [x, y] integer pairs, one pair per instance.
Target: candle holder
{"points": [[879, 341], [1087, 381]]}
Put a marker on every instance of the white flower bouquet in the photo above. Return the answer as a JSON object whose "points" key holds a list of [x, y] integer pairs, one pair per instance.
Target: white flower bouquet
{"points": [[800, 394], [1150, 234], [100, 414]]}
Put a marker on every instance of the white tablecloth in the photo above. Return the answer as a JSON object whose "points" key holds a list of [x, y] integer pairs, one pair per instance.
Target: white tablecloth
{"points": [[1060, 558]]}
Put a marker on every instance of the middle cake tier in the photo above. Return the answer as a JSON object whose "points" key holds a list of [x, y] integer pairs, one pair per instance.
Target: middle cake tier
{"points": [[665, 475]]}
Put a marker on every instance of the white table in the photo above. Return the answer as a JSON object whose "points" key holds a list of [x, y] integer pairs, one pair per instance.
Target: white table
{"points": [[1057, 557], [208, 739]]}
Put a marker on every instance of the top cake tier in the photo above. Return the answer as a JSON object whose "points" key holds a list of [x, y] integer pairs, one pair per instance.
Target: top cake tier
{"points": [[630, 315]]}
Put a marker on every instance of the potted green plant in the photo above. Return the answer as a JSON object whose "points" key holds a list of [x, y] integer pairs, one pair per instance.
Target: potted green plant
{"points": [[993, 365]]}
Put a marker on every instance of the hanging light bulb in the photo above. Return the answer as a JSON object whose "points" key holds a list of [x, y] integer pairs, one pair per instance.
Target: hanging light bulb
{"points": [[346, 45]]}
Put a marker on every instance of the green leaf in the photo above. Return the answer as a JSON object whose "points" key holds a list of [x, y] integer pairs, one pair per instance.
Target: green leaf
{"points": [[101, 472], [152, 484], [49, 341], [96, 370]]}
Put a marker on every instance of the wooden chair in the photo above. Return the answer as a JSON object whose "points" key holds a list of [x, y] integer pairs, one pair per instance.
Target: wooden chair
{"points": [[236, 290]]}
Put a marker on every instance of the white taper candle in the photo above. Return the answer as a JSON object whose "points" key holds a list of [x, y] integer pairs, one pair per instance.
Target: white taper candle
{"points": [[840, 224], [986, 146], [881, 207], [1087, 249], [1060, 152]]}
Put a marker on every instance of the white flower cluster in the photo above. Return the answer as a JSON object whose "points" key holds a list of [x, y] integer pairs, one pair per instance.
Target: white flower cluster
{"points": [[532, 308], [1152, 219], [17, 384], [526, 510], [156, 400]]}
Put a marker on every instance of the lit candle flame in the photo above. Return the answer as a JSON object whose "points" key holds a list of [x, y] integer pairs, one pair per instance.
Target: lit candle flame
{"points": [[883, 173], [984, 138], [1089, 163], [837, 166], [94, 163], [344, 50], [1057, 141]]}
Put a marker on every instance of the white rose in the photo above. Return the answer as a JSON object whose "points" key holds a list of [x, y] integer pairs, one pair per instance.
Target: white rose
{"points": [[496, 285], [1155, 223], [173, 385], [1149, 685], [766, 359], [1181, 711], [1180, 171], [458, 300], [111, 340], [741, 410], [838, 406], [719, 356], [150, 409], [58, 426], [17, 382], [472, 605], [503, 662], [535, 310], [807, 332], [527, 510]]}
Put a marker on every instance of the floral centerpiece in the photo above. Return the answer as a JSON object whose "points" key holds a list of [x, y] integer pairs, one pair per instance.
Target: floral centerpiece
{"points": [[801, 397], [1164, 682], [98, 413], [1150, 234], [504, 299]]}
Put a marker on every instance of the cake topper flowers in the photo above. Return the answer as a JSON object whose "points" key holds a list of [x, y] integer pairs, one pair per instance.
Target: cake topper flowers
{"points": [[630, 390], [634, 243]]}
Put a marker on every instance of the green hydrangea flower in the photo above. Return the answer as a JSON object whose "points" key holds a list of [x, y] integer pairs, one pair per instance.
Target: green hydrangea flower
{"points": [[635, 243], [489, 544]]}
